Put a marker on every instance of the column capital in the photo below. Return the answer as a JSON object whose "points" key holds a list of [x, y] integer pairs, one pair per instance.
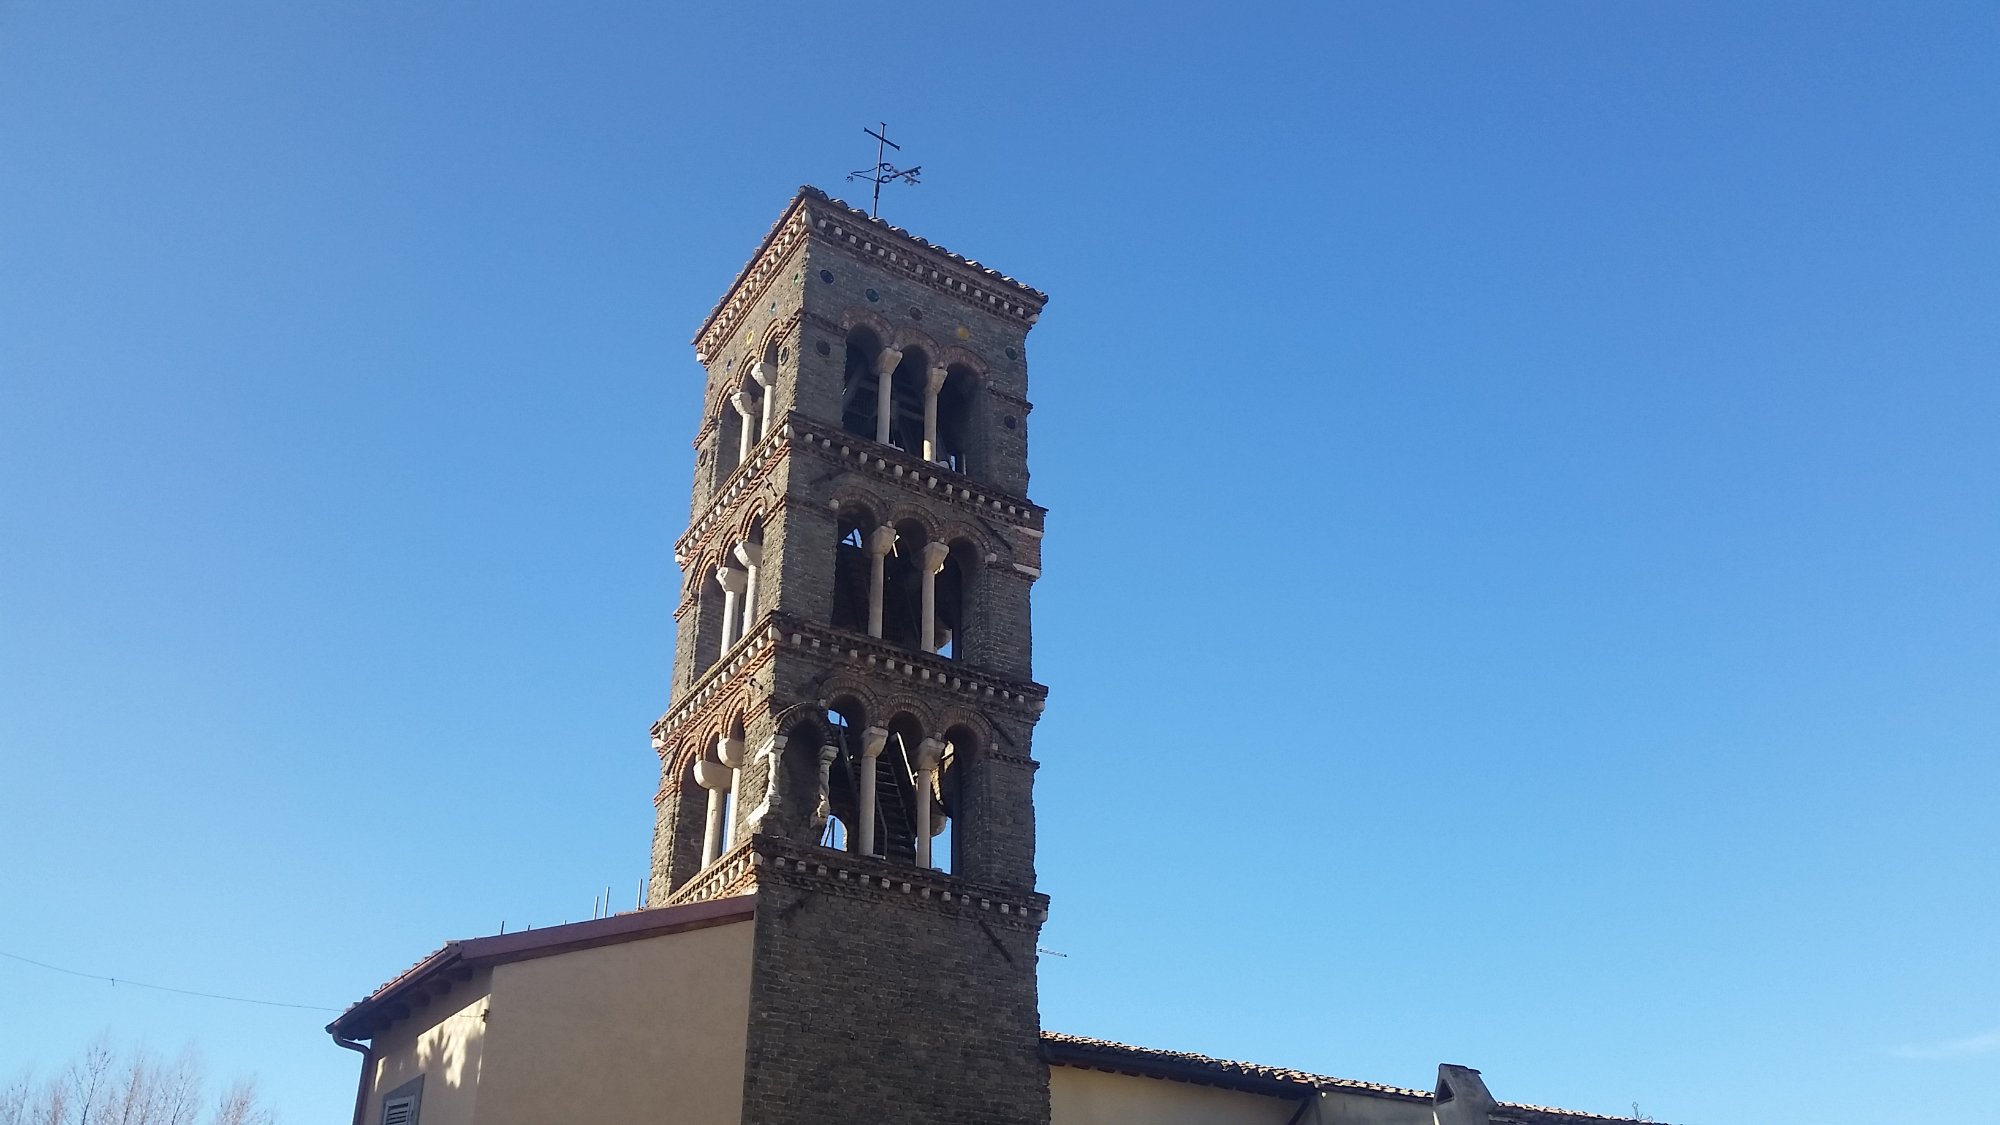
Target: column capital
{"points": [[750, 554], [929, 751], [731, 579], [934, 382], [934, 555], [886, 361], [744, 402], [729, 751], [872, 742], [766, 373], [827, 754], [881, 540], [713, 775]]}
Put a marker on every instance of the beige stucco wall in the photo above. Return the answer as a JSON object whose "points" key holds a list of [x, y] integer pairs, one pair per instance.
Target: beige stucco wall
{"points": [[444, 1043], [651, 1030], [1338, 1107], [1092, 1097]]}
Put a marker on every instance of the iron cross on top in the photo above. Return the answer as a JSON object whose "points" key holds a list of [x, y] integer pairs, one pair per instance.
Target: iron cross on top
{"points": [[883, 172]]}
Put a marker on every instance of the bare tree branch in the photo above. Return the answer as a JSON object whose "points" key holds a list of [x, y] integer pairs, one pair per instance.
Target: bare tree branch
{"points": [[104, 1086]]}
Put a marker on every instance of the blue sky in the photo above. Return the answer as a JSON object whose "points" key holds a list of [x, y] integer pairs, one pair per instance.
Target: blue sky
{"points": [[1520, 579]]}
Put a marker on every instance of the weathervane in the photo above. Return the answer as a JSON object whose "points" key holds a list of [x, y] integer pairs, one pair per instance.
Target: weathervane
{"points": [[883, 172]]}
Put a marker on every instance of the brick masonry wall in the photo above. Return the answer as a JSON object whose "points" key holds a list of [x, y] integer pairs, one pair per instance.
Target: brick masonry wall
{"points": [[875, 1006], [870, 1004]]}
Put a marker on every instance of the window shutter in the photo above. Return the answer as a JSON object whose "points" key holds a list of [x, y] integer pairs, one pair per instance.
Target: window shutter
{"points": [[401, 1111]]}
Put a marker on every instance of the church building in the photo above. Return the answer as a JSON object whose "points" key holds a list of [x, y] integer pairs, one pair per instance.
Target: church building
{"points": [[841, 918]]}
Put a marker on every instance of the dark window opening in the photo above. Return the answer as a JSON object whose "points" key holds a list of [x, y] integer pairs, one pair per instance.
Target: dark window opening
{"points": [[956, 400], [851, 571], [857, 387]]}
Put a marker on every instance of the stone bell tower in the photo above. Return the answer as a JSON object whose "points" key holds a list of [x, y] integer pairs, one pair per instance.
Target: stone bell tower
{"points": [[853, 703]]}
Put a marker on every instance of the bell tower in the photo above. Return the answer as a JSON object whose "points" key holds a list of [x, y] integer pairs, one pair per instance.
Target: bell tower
{"points": [[853, 704]]}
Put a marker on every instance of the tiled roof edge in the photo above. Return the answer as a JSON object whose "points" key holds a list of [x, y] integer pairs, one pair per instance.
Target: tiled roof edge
{"points": [[524, 945], [1185, 1066]]}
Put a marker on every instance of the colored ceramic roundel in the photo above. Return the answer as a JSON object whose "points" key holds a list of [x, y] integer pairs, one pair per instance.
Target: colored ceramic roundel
{"points": [[822, 349], [826, 276], [916, 314], [964, 333], [874, 296], [1012, 354]]}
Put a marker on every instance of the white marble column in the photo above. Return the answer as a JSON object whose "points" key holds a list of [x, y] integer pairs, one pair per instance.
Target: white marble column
{"points": [[885, 386], [872, 741], [746, 427], [928, 753], [880, 542], [731, 581], [716, 778], [932, 386], [766, 374], [934, 555], [751, 555]]}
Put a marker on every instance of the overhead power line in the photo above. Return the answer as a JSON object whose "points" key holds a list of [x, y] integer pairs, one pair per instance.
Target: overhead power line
{"points": [[115, 981]]}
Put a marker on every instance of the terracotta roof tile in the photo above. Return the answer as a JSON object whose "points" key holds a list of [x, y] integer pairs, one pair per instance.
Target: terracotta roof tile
{"points": [[1190, 1067], [1184, 1066]]}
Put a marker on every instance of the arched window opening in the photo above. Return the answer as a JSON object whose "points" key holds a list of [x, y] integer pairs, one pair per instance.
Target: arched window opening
{"points": [[953, 766], [708, 624], [734, 582], [732, 754], [903, 583], [955, 428], [842, 806], [852, 569], [714, 771], [834, 835], [906, 403], [858, 384], [728, 440], [953, 597], [896, 791], [764, 380]]}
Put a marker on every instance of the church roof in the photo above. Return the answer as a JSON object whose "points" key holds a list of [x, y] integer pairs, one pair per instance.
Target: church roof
{"points": [[1255, 1078], [851, 214], [457, 959]]}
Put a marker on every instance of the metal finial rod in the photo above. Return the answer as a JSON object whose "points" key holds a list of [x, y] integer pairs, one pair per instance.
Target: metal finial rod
{"points": [[883, 172]]}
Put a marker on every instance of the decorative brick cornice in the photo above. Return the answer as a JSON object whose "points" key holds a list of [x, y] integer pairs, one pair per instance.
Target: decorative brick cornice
{"points": [[785, 632], [768, 859], [728, 876], [908, 471], [933, 267], [742, 481], [764, 267], [950, 676], [833, 221], [885, 463], [743, 659]]}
